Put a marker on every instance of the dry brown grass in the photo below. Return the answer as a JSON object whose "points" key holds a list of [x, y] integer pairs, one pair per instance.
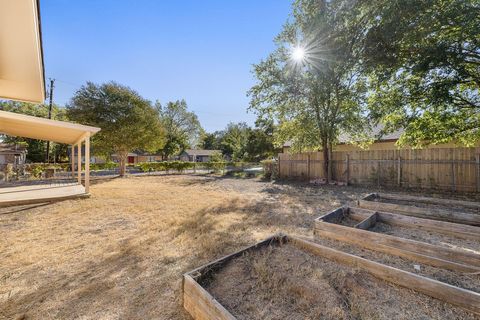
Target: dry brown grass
{"points": [[121, 253]]}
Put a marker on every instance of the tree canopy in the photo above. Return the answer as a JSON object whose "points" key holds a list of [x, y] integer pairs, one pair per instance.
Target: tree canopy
{"points": [[423, 60], [127, 120], [182, 128], [344, 66], [316, 96]]}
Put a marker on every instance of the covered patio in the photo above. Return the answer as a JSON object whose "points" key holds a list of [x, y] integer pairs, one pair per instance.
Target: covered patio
{"points": [[76, 135]]}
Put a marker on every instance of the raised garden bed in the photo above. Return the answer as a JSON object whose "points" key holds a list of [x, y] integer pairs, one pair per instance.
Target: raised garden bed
{"points": [[439, 253], [456, 211], [286, 277]]}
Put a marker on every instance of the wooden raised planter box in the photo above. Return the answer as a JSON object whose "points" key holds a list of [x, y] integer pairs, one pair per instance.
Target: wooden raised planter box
{"points": [[327, 226], [424, 207], [202, 305]]}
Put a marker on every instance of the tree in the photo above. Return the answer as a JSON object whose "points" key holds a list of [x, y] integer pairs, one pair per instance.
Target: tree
{"points": [[423, 59], [183, 130], [211, 141], [127, 120], [36, 149], [321, 93], [260, 141], [234, 140]]}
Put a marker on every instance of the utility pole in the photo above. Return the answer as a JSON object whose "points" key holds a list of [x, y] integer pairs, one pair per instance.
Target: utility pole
{"points": [[52, 81]]}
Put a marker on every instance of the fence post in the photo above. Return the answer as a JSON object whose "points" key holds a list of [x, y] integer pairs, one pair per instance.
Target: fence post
{"points": [[308, 167], [454, 187], [347, 165], [399, 171], [378, 173], [477, 160], [279, 172]]}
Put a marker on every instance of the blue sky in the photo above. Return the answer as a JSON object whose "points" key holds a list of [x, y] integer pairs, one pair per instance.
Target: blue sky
{"points": [[201, 51]]}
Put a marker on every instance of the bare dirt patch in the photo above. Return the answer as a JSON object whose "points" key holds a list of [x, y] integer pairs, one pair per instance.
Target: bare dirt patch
{"points": [[282, 282]]}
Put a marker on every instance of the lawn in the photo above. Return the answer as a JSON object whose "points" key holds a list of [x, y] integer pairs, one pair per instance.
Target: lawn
{"points": [[122, 252]]}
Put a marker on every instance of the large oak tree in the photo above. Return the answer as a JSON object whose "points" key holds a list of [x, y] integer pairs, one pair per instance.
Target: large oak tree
{"points": [[127, 120]]}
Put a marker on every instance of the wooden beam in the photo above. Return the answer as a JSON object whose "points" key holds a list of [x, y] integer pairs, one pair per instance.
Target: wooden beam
{"points": [[441, 201], [418, 251], [466, 299], [200, 304], [79, 163], [87, 164], [333, 216], [73, 160], [368, 222]]}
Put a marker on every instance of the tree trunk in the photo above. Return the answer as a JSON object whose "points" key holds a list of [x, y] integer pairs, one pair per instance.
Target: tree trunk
{"points": [[326, 162], [123, 163], [329, 164]]}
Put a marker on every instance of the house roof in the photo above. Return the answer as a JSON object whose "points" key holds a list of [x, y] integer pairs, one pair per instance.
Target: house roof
{"points": [[375, 133], [200, 152], [16, 124], [22, 75], [6, 148]]}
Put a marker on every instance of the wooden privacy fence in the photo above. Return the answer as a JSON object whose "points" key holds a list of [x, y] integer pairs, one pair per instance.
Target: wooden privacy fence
{"points": [[456, 169]]}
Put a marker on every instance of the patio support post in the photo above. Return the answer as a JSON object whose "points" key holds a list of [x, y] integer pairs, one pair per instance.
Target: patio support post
{"points": [[72, 157], [79, 162], [87, 164]]}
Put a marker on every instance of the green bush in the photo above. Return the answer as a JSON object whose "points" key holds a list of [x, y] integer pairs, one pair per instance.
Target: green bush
{"points": [[178, 166], [103, 166]]}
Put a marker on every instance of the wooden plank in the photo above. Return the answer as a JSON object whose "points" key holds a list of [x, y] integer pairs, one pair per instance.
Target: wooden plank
{"points": [[453, 229], [430, 213], [200, 304], [334, 215], [466, 299], [368, 222], [430, 254], [441, 201]]}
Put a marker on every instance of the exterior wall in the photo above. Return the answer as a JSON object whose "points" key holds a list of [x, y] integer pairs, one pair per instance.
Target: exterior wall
{"points": [[152, 158]]}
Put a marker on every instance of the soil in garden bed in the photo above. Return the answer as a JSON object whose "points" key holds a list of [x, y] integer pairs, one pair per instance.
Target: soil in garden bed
{"points": [[344, 220], [284, 282], [420, 204], [432, 237], [469, 281]]}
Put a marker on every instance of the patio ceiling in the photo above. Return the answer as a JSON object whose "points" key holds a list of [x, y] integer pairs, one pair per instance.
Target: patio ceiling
{"points": [[21, 58], [15, 124]]}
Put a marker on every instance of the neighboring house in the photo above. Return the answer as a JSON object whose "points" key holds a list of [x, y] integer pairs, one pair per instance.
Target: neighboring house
{"points": [[12, 154], [148, 157], [93, 159], [194, 155], [140, 156]]}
